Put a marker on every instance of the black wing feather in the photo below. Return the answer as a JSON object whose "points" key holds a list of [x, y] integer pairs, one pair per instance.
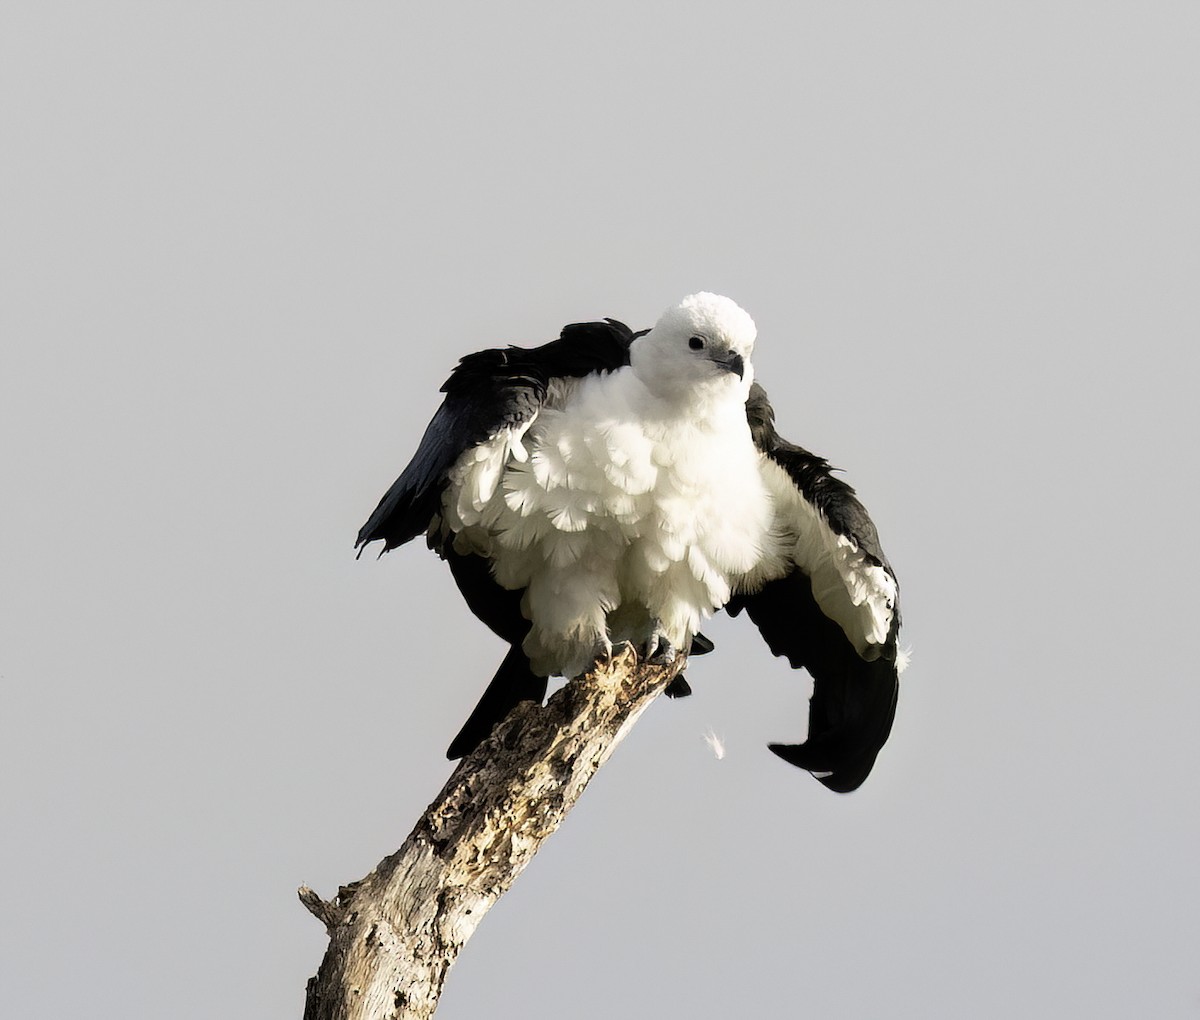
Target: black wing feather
{"points": [[488, 391], [854, 701], [814, 477]]}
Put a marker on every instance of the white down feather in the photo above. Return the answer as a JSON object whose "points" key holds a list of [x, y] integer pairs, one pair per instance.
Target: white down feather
{"points": [[635, 502], [620, 515]]}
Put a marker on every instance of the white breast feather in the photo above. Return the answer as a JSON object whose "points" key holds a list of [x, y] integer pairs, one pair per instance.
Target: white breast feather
{"points": [[596, 506]]}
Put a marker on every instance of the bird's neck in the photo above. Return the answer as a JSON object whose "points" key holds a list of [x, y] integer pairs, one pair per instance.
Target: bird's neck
{"points": [[712, 401]]}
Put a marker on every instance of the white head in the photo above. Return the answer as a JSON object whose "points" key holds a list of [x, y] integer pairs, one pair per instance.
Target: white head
{"points": [[699, 349]]}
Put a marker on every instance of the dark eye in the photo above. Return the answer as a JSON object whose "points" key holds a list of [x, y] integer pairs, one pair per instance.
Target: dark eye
{"points": [[696, 343]]}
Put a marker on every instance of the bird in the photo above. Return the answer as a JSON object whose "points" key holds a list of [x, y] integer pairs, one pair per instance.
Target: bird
{"points": [[615, 486]]}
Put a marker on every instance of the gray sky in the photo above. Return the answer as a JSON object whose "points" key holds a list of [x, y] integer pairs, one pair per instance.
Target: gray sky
{"points": [[243, 244]]}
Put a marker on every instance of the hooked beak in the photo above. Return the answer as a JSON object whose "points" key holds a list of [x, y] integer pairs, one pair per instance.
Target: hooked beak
{"points": [[731, 362]]}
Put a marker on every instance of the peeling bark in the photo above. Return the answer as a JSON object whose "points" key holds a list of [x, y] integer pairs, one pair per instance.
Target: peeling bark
{"points": [[394, 935]]}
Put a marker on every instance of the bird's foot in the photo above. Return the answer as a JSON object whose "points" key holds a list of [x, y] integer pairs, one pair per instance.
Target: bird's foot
{"points": [[658, 650], [620, 648], [602, 651]]}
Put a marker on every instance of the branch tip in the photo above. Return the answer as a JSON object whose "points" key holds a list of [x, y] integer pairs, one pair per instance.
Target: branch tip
{"points": [[327, 913]]}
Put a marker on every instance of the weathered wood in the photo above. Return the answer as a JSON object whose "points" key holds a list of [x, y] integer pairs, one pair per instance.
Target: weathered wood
{"points": [[394, 935]]}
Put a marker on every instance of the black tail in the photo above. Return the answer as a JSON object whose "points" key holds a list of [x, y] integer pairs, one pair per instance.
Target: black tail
{"points": [[849, 720], [853, 702], [513, 683]]}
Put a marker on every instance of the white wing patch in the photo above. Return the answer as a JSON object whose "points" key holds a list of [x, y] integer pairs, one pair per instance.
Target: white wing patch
{"points": [[477, 473], [854, 592]]}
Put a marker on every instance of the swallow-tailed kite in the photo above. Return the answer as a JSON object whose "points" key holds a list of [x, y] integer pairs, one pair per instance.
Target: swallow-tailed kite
{"points": [[615, 486]]}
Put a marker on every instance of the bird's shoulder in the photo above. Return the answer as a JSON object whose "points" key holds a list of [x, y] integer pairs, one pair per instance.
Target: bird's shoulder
{"points": [[581, 349], [491, 393], [813, 476]]}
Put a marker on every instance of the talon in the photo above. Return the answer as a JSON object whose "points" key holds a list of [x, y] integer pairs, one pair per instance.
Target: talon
{"points": [[602, 652], [659, 651]]}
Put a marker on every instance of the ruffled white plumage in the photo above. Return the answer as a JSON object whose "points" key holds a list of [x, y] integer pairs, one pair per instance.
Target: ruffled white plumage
{"points": [[636, 501], [610, 499]]}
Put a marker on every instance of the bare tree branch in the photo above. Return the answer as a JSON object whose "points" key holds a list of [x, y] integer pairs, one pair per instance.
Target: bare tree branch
{"points": [[394, 935]]}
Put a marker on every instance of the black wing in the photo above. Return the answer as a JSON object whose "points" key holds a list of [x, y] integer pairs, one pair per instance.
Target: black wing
{"points": [[855, 681], [488, 391]]}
